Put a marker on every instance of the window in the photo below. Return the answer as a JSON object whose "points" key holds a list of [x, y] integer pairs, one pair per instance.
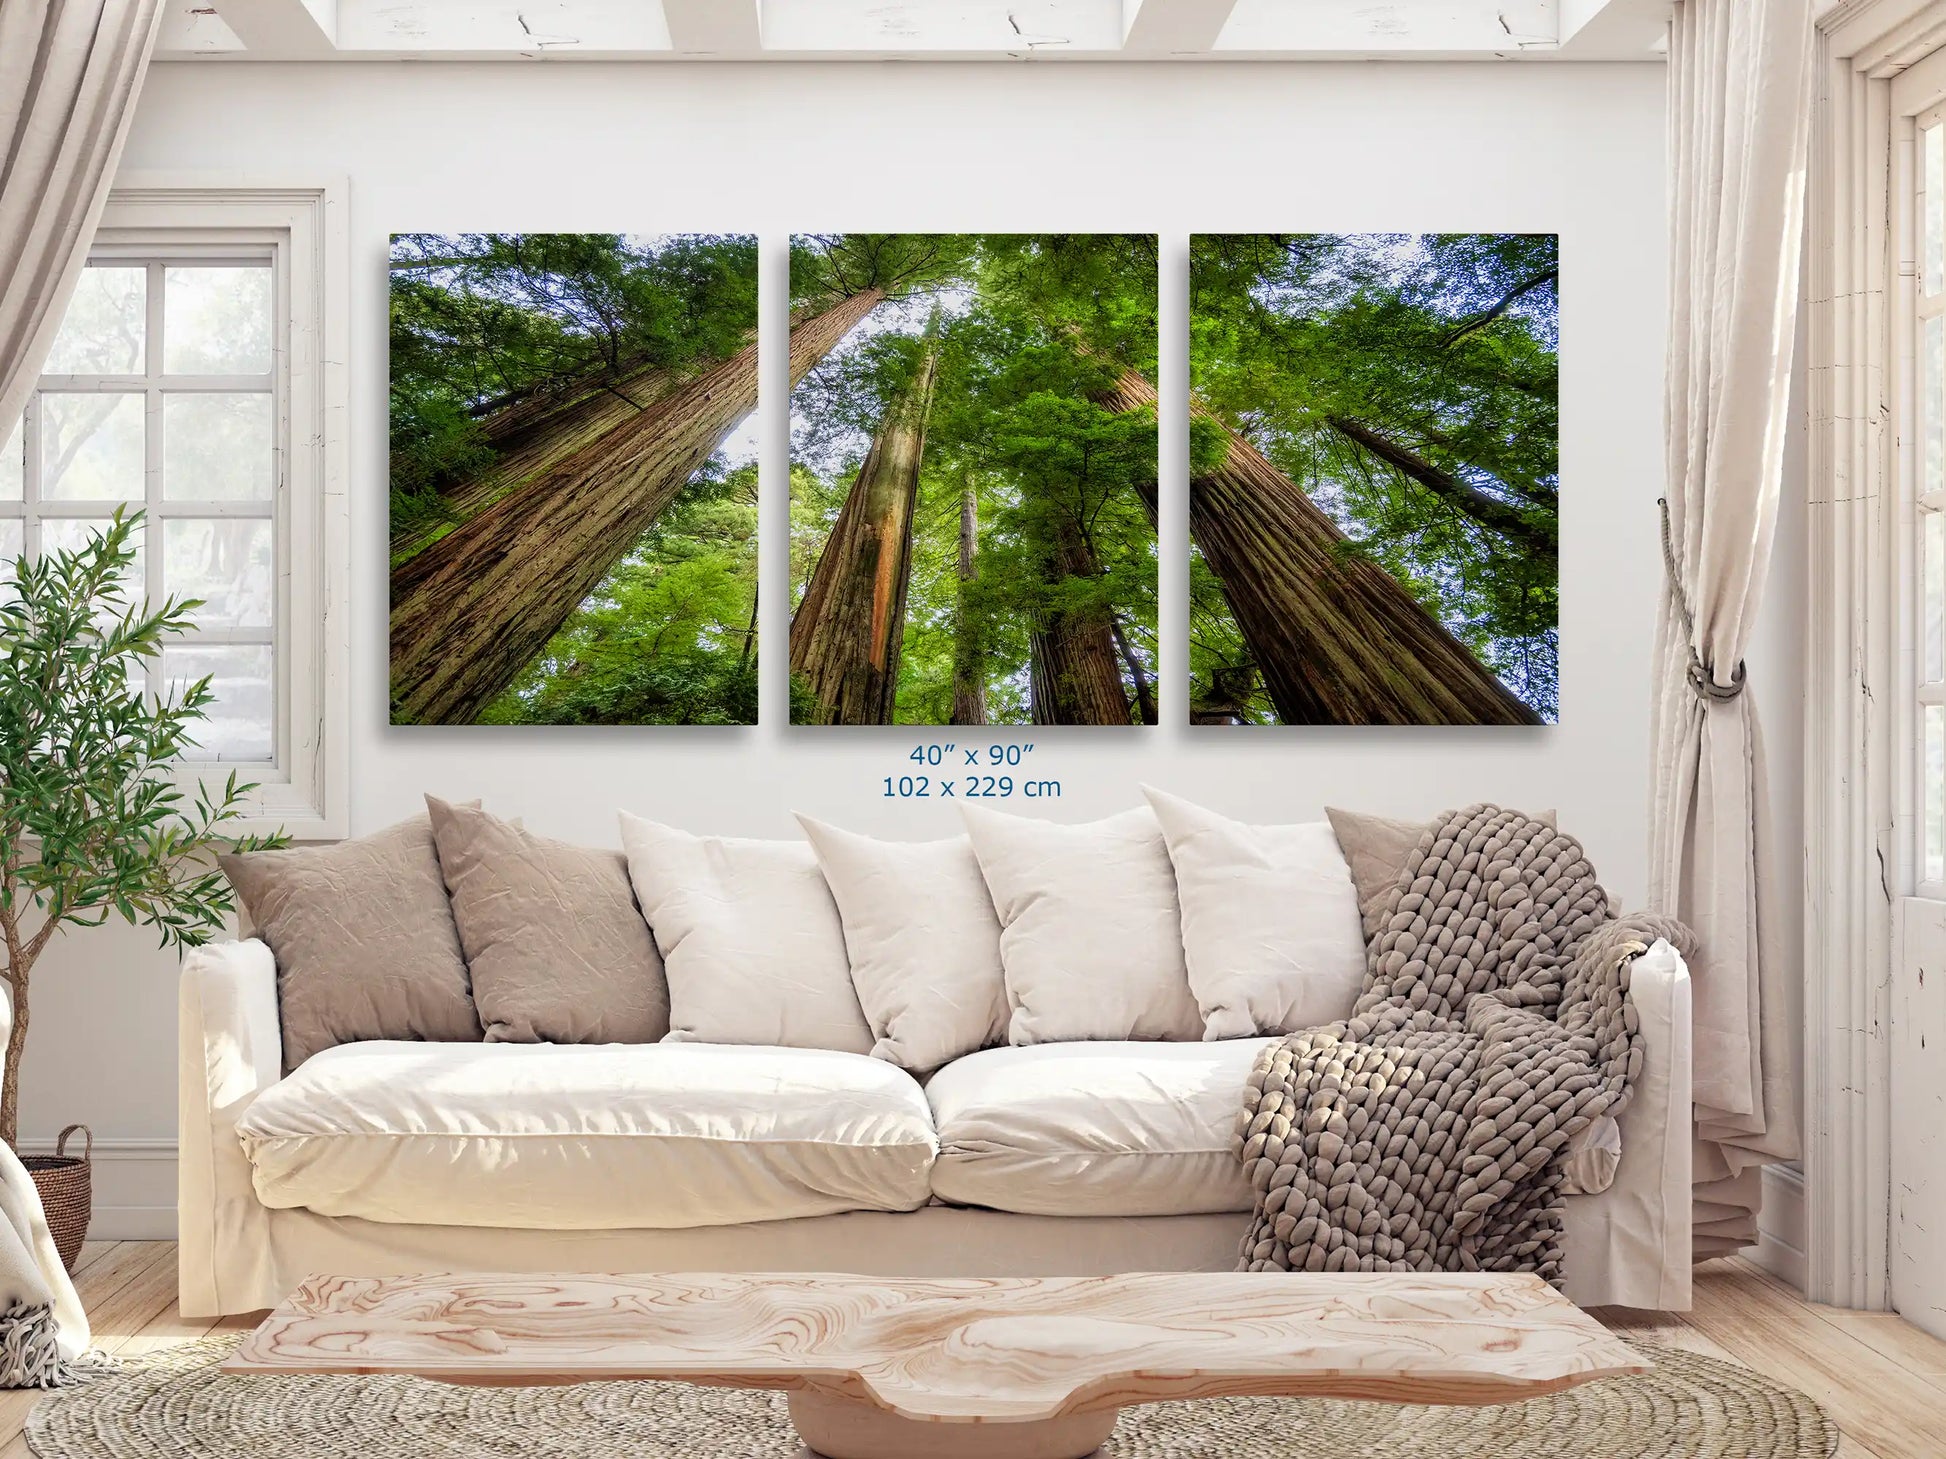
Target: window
{"points": [[159, 392], [1926, 466], [191, 378]]}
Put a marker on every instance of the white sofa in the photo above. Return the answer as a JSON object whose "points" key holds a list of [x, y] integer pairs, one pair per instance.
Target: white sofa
{"points": [[1075, 1158]]}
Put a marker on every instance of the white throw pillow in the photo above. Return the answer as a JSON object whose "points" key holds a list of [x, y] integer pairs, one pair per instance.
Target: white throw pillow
{"points": [[1270, 924], [1090, 938], [922, 940], [750, 940]]}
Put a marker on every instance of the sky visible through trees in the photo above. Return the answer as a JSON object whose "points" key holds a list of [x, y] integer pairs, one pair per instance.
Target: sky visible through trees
{"points": [[1406, 385]]}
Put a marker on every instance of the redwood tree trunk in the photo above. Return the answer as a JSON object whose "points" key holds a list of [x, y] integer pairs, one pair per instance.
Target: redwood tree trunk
{"points": [[1337, 638], [474, 608], [969, 647], [1077, 672], [848, 630], [533, 435]]}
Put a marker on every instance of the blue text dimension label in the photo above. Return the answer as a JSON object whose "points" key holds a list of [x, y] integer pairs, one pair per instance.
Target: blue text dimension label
{"points": [[970, 772]]}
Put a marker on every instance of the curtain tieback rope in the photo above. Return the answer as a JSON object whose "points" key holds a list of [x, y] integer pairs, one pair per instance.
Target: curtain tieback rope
{"points": [[1702, 676]]}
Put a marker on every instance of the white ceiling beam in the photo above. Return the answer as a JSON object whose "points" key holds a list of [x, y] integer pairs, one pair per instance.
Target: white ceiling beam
{"points": [[502, 29], [714, 27], [997, 30], [1173, 27], [1396, 28], [282, 29], [1612, 30], [991, 29], [193, 28]]}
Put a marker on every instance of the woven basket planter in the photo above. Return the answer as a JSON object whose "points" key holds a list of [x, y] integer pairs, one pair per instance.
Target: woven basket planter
{"points": [[66, 1187]]}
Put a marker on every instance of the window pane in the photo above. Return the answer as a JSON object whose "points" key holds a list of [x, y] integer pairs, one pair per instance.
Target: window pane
{"points": [[1932, 400], [224, 562], [106, 325], [11, 535], [1935, 210], [92, 448], [13, 464], [70, 534], [216, 448], [1932, 594], [237, 724], [216, 321], [1934, 792]]}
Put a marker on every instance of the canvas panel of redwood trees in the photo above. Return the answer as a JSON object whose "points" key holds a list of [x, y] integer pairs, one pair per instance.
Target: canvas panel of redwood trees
{"points": [[973, 479], [1374, 484], [573, 479]]}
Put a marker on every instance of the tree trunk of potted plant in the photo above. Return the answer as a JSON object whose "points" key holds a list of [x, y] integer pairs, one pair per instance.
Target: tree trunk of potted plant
{"points": [[91, 823]]}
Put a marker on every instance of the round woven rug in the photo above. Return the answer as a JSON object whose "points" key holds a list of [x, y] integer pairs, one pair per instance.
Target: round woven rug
{"points": [[176, 1405]]}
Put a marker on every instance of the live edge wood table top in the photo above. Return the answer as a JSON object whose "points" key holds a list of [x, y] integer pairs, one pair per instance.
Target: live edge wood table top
{"points": [[1030, 1368]]}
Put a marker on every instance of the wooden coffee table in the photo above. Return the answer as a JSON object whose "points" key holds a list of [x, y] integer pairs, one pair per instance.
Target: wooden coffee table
{"points": [[997, 1368]]}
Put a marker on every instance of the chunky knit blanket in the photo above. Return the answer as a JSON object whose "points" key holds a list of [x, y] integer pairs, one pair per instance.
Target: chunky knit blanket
{"points": [[1428, 1132]]}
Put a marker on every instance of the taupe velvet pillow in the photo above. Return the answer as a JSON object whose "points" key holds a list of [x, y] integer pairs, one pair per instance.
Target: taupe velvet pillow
{"points": [[1376, 848], [364, 940], [558, 949]]}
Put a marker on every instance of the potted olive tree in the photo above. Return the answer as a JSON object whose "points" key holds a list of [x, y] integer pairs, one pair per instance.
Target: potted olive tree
{"points": [[93, 824]]}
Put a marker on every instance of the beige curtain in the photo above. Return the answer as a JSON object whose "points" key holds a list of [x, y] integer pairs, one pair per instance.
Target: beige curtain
{"points": [[1739, 122], [69, 73]]}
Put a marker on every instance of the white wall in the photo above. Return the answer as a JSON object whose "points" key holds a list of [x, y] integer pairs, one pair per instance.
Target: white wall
{"points": [[1571, 148]]}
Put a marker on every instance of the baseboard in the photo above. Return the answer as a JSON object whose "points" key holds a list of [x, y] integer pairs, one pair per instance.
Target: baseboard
{"points": [[134, 1187], [1781, 1234]]}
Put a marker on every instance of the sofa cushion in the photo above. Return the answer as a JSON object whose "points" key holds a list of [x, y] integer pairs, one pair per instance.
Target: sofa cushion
{"points": [[923, 941], [1270, 922], [365, 942], [555, 944], [1091, 941], [1093, 1129], [751, 941], [589, 1136]]}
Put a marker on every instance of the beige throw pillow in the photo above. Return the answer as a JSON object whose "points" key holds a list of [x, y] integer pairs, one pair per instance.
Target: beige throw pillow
{"points": [[1270, 923], [364, 940], [557, 948], [923, 943], [1090, 938], [750, 940]]}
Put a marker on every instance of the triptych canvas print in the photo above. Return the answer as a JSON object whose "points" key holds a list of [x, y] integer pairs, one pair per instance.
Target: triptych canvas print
{"points": [[974, 479]]}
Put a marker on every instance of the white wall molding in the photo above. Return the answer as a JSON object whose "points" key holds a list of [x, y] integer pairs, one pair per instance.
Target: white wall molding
{"points": [[1854, 857], [1780, 1225], [1847, 749], [307, 791], [134, 1182]]}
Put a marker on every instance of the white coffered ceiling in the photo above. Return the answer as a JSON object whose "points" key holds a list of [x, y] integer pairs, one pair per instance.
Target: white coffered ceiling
{"points": [[1019, 30]]}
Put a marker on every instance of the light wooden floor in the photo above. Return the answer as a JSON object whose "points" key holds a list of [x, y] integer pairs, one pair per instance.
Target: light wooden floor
{"points": [[1881, 1378]]}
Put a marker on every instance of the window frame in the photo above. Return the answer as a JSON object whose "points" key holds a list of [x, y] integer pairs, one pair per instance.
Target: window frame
{"points": [[305, 790], [1917, 309]]}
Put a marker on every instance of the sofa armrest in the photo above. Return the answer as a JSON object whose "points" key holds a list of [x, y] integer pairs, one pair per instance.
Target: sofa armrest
{"points": [[1629, 1245], [230, 1049]]}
